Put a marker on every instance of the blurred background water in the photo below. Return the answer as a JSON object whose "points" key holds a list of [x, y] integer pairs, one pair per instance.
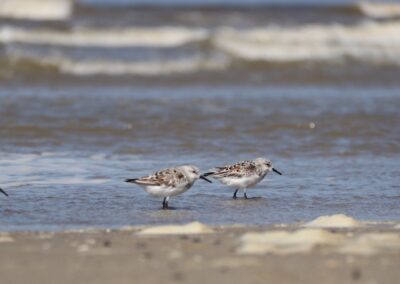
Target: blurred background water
{"points": [[93, 92]]}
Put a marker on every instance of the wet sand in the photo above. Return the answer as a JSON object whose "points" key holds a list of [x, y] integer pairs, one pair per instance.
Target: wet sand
{"points": [[367, 253]]}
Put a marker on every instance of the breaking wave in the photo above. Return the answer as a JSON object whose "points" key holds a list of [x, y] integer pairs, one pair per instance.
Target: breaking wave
{"points": [[87, 37], [149, 68], [175, 50], [370, 42], [119, 68]]}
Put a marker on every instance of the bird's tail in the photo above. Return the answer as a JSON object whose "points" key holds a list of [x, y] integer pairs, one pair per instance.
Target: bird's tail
{"points": [[132, 180], [2, 191]]}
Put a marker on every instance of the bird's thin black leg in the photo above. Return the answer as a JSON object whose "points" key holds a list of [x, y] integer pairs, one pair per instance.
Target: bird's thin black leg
{"points": [[234, 195], [2, 191], [165, 203], [245, 194]]}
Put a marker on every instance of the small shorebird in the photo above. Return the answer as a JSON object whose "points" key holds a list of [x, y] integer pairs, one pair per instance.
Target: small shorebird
{"points": [[2, 191], [169, 182], [243, 175]]}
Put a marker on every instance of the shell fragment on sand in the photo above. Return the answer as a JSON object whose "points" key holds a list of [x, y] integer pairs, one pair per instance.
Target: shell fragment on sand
{"points": [[283, 242], [333, 221], [191, 228]]}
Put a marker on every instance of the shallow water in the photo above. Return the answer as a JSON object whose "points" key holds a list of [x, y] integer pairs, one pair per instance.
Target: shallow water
{"points": [[96, 91], [65, 152]]}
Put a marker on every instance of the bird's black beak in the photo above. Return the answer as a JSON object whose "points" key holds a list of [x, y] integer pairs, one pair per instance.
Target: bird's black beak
{"points": [[206, 179], [278, 172], [2, 191]]}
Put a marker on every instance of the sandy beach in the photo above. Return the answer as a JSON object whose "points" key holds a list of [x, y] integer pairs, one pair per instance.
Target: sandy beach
{"points": [[195, 253]]}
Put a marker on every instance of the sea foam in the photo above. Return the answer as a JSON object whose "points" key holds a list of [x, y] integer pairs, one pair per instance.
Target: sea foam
{"points": [[36, 9]]}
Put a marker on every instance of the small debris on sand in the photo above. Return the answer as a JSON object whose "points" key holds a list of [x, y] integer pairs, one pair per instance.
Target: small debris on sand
{"points": [[191, 228], [283, 242], [5, 238], [333, 221]]}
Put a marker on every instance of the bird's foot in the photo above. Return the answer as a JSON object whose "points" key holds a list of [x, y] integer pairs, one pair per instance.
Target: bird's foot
{"points": [[168, 208]]}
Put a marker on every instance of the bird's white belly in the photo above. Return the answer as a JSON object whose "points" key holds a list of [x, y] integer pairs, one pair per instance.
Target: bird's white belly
{"points": [[166, 191], [244, 182]]}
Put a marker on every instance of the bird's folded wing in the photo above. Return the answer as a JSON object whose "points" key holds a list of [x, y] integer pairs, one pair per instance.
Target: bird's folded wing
{"points": [[238, 170], [167, 177]]}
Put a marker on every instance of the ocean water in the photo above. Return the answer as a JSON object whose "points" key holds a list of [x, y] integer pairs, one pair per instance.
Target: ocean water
{"points": [[296, 43], [93, 93]]}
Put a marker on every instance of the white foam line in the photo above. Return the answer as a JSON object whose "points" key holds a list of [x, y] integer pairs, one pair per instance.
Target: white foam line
{"points": [[369, 42], [122, 37], [67, 181], [36, 9], [149, 68]]}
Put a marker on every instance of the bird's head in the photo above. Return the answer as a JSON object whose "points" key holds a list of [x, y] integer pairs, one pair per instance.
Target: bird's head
{"points": [[192, 173], [266, 165]]}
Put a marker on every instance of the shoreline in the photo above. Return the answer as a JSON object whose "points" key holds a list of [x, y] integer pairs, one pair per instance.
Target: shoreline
{"points": [[332, 222], [368, 225]]}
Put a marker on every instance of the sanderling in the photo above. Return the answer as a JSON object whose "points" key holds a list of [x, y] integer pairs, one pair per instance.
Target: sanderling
{"points": [[244, 174], [169, 182], [2, 191]]}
